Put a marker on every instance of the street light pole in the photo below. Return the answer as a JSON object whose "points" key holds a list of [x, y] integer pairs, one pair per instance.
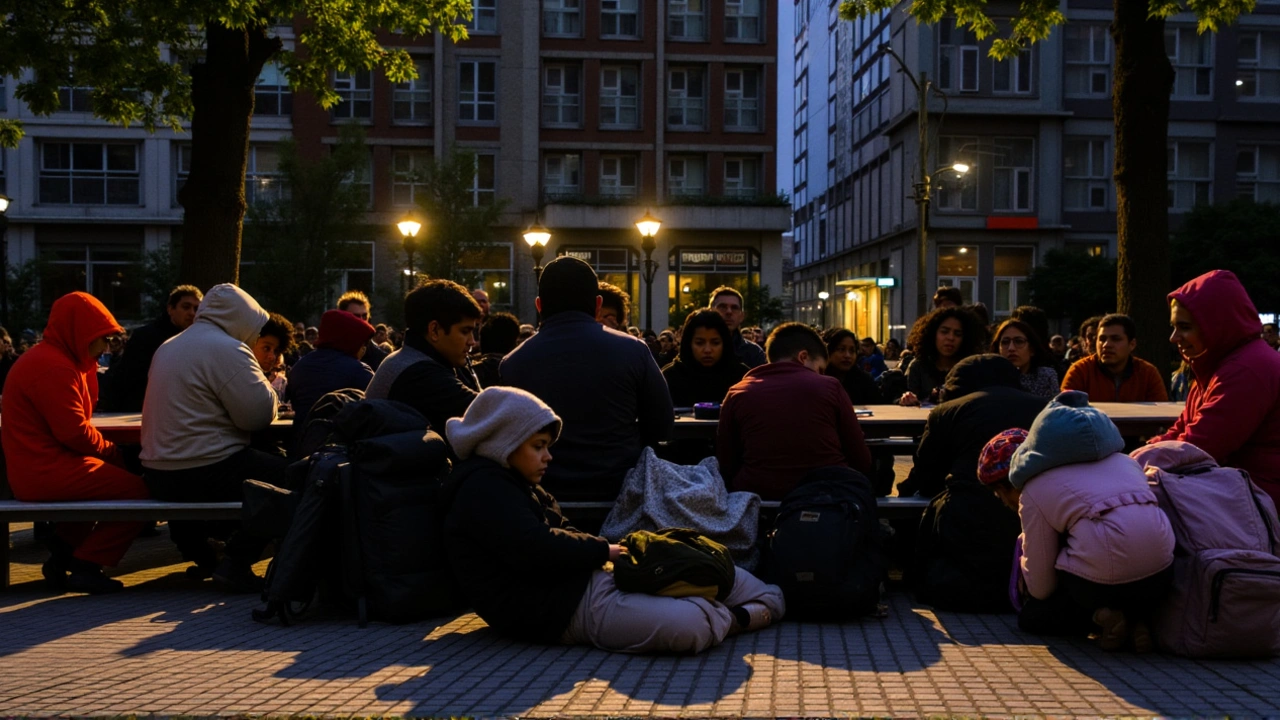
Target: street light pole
{"points": [[923, 186], [409, 227], [648, 227], [537, 236], [822, 305]]}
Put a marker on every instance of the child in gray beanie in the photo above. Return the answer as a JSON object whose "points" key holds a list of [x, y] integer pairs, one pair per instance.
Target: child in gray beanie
{"points": [[531, 575]]}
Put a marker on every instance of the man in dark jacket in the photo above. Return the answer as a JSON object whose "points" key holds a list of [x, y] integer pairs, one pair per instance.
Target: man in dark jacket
{"points": [[334, 364], [431, 372], [728, 302], [124, 386], [604, 384]]}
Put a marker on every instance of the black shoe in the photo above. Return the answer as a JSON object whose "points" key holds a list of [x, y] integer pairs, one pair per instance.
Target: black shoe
{"points": [[198, 572], [54, 571], [237, 578], [92, 582]]}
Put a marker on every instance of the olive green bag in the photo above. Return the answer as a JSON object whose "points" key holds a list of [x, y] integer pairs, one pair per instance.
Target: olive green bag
{"points": [[675, 562]]}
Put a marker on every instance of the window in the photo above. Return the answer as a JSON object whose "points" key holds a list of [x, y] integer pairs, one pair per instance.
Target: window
{"points": [[741, 99], [181, 169], [1088, 60], [618, 176], [355, 91], [360, 179], [957, 58], [1014, 170], [686, 176], [1258, 173], [1013, 266], [89, 174], [958, 268], [562, 18], [1258, 65], [954, 191], [411, 101], [741, 177], [1086, 169], [110, 272], [1013, 75], [1192, 57], [408, 176], [686, 99], [477, 91], [358, 257], [742, 20], [484, 17], [271, 96], [619, 98], [489, 268], [75, 99], [262, 179], [561, 176], [620, 18], [1190, 174], [561, 96], [686, 19], [483, 188]]}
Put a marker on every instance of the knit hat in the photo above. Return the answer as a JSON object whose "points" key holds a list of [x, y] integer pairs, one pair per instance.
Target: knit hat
{"points": [[344, 332], [993, 463], [498, 422], [1066, 432]]}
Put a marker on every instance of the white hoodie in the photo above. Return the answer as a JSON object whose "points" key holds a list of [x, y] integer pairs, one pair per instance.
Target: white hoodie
{"points": [[205, 391]]}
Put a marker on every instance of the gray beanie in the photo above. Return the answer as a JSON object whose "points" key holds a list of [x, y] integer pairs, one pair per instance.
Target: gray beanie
{"points": [[498, 422], [1066, 432]]}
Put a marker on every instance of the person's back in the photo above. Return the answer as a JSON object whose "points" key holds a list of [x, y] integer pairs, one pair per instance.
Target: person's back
{"points": [[335, 365]]}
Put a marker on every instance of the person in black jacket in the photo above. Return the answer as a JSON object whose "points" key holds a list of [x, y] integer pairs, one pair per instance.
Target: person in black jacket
{"points": [[706, 367], [501, 335], [124, 386], [842, 364], [531, 575], [334, 365], [431, 372]]}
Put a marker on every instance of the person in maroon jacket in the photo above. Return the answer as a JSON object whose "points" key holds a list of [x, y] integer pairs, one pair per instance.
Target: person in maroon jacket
{"points": [[786, 419]]}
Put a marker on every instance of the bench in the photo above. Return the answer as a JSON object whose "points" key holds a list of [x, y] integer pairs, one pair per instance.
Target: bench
{"points": [[891, 508]]}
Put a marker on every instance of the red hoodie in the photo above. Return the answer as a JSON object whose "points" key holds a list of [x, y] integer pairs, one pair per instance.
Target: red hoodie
{"points": [[49, 398], [1233, 410]]}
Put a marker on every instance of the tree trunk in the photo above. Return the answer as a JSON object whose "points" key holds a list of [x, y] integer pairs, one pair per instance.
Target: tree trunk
{"points": [[213, 196], [1143, 79]]}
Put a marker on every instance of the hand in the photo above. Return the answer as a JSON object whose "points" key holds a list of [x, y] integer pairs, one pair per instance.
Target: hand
{"points": [[909, 399], [616, 551]]}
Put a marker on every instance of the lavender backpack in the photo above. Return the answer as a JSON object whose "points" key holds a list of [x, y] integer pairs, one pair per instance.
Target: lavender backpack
{"points": [[1225, 600]]}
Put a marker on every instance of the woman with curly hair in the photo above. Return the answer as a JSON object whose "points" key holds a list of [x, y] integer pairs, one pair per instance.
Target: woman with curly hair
{"points": [[940, 339], [1021, 345]]}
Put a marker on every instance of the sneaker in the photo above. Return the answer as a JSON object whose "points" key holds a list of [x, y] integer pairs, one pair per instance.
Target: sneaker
{"points": [[1142, 641], [236, 578], [92, 582], [1114, 628]]}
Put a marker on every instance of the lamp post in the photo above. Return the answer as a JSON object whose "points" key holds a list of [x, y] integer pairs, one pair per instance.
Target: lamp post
{"points": [[649, 227], [537, 236], [4, 260], [822, 305], [409, 227]]}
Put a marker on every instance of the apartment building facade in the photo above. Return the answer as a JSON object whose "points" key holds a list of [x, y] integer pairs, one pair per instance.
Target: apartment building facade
{"points": [[1036, 133], [581, 113]]}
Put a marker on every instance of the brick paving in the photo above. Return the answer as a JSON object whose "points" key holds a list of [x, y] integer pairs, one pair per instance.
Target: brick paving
{"points": [[169, 646]]}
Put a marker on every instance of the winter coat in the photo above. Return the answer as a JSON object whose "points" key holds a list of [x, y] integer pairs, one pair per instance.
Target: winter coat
{"points": [[1233, 408], [488, 369], [421, 378], [319, 373], [516, 558], [1140, 381], [922, 377], [747, 352], [964, 550], [689, 382], [124, 386], [1041, 382], [49, 399]]}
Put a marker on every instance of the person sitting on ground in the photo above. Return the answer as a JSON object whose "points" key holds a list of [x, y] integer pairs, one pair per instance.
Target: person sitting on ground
{"points": [[940, 340], [1097, 549], [532, 576], [842, 364], [604, 384], [1020, 344], [501, 335], [357, 303], [728, 302], [981, 397], [764, 445], [1233, 406], [705, 368], [668, 348], [334, 365], [892, 350], [1114, 373], [275, 340], [870, 359], [947, 297], [431, 373], [53, 452], [125, 384]]}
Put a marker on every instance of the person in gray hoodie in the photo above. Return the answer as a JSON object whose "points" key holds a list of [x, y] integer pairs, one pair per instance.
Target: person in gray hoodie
{"points": [[206, 394]]}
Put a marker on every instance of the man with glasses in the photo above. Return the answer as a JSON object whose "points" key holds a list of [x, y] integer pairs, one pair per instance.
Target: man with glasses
{"points": [[728, 302], [357, 303], [1113, 373]]}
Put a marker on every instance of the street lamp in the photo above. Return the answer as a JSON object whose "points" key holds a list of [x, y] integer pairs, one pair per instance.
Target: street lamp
{"points": [[822, 305], [649, 227], [537, 236], [4, 260], [409, 227]]}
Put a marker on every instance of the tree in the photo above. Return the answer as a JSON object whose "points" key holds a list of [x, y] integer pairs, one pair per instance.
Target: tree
{"points": [[1073, 285], [118, 49], [763, 308], [294, 242], [1240, 236], [24, 297], [458, 225], [1142, 83], [159, 277]]}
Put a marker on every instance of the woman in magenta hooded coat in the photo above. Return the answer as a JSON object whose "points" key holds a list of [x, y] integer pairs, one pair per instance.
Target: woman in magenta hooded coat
{"points": [[1233, 409]]}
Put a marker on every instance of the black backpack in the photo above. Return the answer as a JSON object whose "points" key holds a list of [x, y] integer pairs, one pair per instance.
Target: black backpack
{"points": [[825, 549]]}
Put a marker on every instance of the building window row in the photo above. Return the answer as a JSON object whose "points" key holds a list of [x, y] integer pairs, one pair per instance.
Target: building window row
{"points": [[687, 20], [410, 101], [619, 176]]}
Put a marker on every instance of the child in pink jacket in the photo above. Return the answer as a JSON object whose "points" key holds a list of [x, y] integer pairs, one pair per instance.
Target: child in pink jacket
{"points": [[1097, 548]]}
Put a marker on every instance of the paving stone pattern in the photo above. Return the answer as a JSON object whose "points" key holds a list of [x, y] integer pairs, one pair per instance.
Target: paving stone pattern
{"points": [[170, 646]]}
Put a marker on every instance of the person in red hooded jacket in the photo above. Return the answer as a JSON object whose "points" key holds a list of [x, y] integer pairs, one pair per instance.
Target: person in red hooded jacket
{"points": [[52, 451], [1233, 409]]}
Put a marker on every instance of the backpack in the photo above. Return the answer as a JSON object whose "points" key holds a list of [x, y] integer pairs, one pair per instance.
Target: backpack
{"points": [[315, 434], [1225, 600], [825, 549], [676, 562]]}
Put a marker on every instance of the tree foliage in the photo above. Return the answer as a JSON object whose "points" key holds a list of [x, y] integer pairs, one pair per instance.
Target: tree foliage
{"points": [[455, 230], [24, 297], [1240, 236], [159, 277], [1073, 285]]}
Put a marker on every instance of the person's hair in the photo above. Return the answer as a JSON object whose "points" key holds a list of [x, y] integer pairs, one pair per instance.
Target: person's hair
{"points": [[725, 290], [1089, 323], [706, 318], [568, 284], [380, 328], [616, 298], [281, 329], [924, 334], [1273, 326], [176, 294], [869, 339], [1057, 337], [501, 333], [834, 336], [1040, 353], [980, 311], [948, 292], [894, 341], [351, 296], [548, 429], [1130, 329], [788, 339], [1035, 317], [442, 301]]}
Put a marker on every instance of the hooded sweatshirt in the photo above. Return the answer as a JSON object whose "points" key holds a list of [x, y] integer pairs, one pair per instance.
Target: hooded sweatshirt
{"points": [[206, 392], [50, 396], [333, 365], [1233, 410]]}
